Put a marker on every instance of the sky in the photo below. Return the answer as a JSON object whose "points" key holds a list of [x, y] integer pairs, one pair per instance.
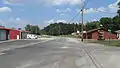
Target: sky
{"points": [[18, 13]]}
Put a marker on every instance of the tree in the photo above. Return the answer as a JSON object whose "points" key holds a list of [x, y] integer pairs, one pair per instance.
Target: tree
{"points": [[92, 25], [61, 28], [106, 22], [34, 29], [119, 9]]}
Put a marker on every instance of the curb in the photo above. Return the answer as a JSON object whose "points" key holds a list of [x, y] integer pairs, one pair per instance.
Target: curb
{"points": [[7, 41]]}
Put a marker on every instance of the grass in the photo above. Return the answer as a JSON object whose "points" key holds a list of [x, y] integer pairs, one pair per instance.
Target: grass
{"points": [[115, 43]]}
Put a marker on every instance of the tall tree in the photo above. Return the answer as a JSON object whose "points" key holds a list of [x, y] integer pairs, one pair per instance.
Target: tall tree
{"points": [[119, 9], [106, 22], [92, 25], [60, 28], [34, 29]]}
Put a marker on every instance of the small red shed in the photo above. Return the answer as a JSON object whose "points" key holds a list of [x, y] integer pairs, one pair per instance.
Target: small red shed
{"points": [[100, 33]]}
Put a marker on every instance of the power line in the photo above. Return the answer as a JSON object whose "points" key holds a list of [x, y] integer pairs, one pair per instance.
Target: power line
{"points": [[79, 12], [107, 12]]}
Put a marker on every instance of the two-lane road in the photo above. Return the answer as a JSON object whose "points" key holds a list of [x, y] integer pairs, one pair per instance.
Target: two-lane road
{"points": [[58, 53]]}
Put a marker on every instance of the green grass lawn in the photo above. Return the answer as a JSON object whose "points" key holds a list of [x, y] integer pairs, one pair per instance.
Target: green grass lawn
{"points": [[115, 43]]}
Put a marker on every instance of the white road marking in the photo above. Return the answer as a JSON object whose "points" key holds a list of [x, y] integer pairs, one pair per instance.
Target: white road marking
{"points": [[65, 47], [2, 54]]}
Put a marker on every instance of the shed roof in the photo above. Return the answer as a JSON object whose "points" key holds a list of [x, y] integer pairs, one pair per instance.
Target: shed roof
{"points": [[93, 30], [3, 28]]}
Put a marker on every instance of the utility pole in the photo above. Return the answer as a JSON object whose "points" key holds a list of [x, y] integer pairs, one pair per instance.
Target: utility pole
{"points": [[82, 19]]}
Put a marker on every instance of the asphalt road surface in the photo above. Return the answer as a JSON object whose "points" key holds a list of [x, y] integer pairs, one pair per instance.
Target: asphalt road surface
{"points": [[57, 53]]}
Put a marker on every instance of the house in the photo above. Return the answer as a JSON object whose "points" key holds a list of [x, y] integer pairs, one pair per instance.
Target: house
{"points": [[10, 34], [118, 33], [99, 34]]}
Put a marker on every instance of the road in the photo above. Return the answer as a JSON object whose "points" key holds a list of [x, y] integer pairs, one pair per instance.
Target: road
{"points": [[57, 53]]}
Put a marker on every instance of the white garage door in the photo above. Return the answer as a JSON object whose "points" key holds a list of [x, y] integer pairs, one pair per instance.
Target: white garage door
{"points": [[2, 34]]}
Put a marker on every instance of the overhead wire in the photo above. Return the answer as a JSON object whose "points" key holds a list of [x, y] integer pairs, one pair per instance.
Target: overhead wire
{"points": [[79, 12]]}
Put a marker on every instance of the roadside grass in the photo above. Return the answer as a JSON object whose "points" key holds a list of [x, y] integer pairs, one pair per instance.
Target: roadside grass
{"points": [[115, 43]]}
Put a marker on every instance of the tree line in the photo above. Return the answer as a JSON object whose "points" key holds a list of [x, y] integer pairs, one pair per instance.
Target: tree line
{"points": [[61, 28]]}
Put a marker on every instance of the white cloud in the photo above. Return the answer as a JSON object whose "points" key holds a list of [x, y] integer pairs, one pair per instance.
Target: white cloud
{"points": [[13, 2], [64, 21], [62, 14], [47, 2], [5, 9], [114, 7], [62, 2], [18, 19], [50, 21], [20, 2], [54, 21], [92, 10], [15, 22], [68, 9], [58, 10], [102, 9], [63, 11]]}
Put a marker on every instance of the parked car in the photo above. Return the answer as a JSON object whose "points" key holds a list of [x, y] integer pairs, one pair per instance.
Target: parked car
{"points": [[31, 36]]}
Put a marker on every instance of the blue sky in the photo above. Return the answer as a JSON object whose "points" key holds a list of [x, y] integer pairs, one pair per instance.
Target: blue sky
{"points": [[18, 13]]}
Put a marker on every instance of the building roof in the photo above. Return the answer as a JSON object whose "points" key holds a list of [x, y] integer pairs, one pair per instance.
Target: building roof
{"points": [[93, 30], [118, 31], [3, 28]]}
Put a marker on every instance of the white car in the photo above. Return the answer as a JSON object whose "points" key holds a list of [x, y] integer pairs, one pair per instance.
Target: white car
{"points": [[31, 36]]}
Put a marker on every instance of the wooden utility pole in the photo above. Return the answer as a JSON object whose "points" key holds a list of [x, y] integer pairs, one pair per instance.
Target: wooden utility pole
{"points": [[82, 19]]}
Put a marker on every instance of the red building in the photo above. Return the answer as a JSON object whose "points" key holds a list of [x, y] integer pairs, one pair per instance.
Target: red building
{"points": [[9, 34], [14, 34], [100, 33]]}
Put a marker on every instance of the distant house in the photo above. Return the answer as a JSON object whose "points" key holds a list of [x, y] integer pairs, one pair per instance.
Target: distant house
{"points": [[118, 33], [99, 33]]}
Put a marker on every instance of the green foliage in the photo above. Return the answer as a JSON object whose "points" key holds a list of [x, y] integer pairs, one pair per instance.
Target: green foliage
{"points": [[92, 25], [107, 22], [119, 9], [33, 29], [61, 29]]}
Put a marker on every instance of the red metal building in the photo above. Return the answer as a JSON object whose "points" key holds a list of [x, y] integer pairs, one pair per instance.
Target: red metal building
{"points": [[9, 34], [14, 34], [95, 34]]}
